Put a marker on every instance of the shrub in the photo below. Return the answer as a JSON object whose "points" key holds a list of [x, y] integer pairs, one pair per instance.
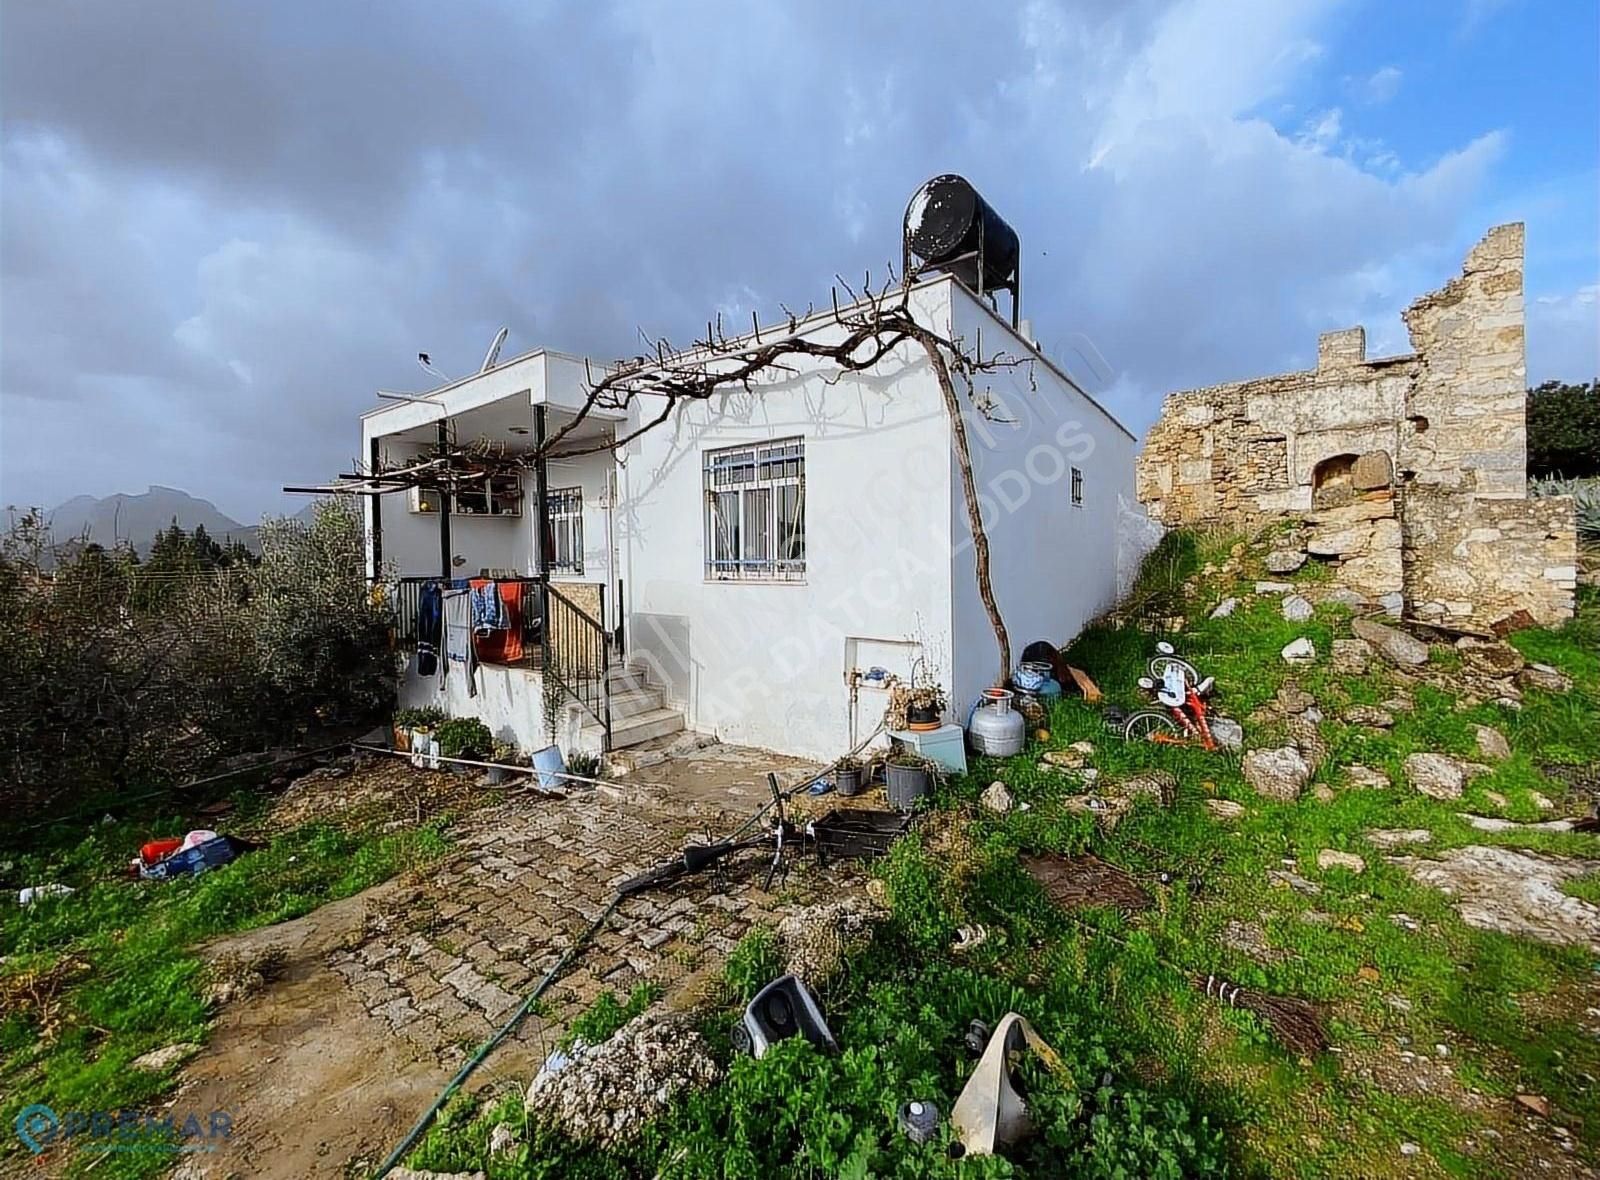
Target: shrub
{"points": [[464, 737]]}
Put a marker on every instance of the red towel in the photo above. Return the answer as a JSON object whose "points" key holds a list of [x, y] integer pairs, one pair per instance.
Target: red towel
{"points": [[502, 647]]}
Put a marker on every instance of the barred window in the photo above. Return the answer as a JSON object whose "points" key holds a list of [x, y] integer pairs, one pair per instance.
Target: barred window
{"points": [[1077, 487], [756, 512], [565, 509]]}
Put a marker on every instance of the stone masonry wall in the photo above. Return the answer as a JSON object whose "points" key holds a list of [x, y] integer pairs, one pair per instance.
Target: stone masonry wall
{"points": [[1402, 467]]}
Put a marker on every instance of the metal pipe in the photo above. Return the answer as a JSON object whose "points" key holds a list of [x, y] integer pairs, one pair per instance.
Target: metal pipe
{"points": [[561, 774]]}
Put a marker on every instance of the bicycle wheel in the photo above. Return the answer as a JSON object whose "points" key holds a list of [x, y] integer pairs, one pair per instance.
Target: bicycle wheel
{"points": [[1147, 725], [1160, 664]]}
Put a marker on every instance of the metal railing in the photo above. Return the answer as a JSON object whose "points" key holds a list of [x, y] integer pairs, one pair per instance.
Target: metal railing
{"points": [[576, 654], [407, 601]]}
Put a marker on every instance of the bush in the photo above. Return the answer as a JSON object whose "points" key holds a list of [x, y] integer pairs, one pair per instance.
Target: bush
{"points": [[1564, 430], [464, 737]]}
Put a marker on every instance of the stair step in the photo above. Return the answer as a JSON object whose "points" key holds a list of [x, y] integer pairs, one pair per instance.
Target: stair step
{"points": [[632, 702], [641, 727], [627, 678]]}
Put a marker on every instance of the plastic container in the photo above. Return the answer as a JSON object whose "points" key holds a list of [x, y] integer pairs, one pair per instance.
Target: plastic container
{"points": [[548, 766], [847, 780], [906, 785]]}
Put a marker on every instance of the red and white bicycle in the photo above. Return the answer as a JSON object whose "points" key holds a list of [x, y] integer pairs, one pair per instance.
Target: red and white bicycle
{"points": [[1179, 687]]}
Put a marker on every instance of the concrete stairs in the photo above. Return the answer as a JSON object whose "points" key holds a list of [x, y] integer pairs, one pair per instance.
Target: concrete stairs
{"points": [[639, 712]]}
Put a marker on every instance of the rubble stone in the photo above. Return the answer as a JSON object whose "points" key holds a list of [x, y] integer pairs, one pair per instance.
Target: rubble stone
{"points": [[1225, 608], [1369, 715], [1388, 838], [1158, 785], [1332, 858], [1351, 656], [996, 797], [1300, 651], [163, 1059], [1492, 743], [1513, 892], [1297, 609], [1435, 775], [1364, 777], [1543, 676], [1279, 774], [1285, 561], [1400, 649], [1224, 809]]}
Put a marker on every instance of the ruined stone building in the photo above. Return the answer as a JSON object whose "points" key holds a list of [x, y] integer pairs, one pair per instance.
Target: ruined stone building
{"points": [[1408, 473]]}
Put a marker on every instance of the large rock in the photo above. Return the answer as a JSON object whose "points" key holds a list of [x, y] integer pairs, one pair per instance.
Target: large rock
{"points": [[161, 1060], [1351, 656], [1435, 775], [1340, 542], [1513, 892], [1543, 676], [1490, 657], [1285, 561], [1400, 649], [1372, 471], [1492, 743], [1300, 651], [1279, 774], [1296, 609], [606, 1093]]}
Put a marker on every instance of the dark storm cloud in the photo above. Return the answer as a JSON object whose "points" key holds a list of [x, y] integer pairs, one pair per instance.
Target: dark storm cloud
{"points": [[223, 226]]}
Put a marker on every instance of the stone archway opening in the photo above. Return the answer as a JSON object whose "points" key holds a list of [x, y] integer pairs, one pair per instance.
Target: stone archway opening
{"points": [[1331, 482]]}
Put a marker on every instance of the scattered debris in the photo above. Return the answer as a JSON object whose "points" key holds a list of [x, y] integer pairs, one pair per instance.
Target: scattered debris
{"points": [[1108, 813], [1513, 892], [1332, 858], [1300, 651], [33, 893], [989, 1114], [1279, 774], [996, 797], [1285, 561], [609, 1091], [918, 1120], [1492, 743], [1368, 715], [815, 939], [1297, 609], [1224, 809], [1351, 656], [1400, 649], [1284, 879], [163, 1059], [784, 1008], [1387, 838], [1296, 1023], [1225, 608], [1435, 775], [1077, 882]]}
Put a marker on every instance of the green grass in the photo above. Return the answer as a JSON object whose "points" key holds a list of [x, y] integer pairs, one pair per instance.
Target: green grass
{"points": [[1191, 1087], [141, 983]]}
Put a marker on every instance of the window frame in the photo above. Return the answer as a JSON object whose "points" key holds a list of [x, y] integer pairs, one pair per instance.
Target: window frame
{"points": [[564, 512], [748, 491]]}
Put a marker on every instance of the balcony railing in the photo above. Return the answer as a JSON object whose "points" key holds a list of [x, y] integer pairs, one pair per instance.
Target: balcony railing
{"points": [[529, 610]]}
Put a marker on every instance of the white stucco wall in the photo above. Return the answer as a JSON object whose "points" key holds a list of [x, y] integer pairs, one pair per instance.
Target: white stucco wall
{"points": [[591, 473], [509, 701], [1053, 565], [765, 663]]}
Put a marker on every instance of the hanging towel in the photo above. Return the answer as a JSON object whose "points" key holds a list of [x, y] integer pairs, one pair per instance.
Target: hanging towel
{"points": [[458, 637], [505, 646]]}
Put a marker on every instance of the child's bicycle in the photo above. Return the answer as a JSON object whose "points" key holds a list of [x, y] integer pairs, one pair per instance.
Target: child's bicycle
{"points": [[1175, 683]]}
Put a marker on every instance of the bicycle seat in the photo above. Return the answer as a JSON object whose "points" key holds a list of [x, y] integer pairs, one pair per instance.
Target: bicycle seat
{"points": [[1205, 686]]}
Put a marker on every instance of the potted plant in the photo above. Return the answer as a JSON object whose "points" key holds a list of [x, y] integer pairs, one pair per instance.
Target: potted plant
{"points": [[506, 754], [925, 702], [907, 778], [406, 722], [464, 737], [847, 776]]}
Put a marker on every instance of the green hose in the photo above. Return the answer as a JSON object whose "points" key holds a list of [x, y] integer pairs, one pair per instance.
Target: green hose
{"points": [[489, 1046]]}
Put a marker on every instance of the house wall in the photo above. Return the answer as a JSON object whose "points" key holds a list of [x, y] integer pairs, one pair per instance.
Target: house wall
{"points": [[411, 539], [593, 473], [1053, 564], [509, 701], [765, 663]]}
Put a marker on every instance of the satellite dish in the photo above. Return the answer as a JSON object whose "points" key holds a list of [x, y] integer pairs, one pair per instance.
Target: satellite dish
{"points": [[490, 357]]}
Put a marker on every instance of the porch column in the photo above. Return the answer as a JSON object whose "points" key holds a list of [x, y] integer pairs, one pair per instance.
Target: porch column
{"points": [[445, 555], [540, 488], [376, 501]]}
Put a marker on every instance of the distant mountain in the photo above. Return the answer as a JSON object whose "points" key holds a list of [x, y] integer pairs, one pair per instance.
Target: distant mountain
{"points": [[137, 519]]}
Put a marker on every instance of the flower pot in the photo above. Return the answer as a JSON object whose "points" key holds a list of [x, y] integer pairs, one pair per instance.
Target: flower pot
{"points": [[905, 785], [848, 782], [922, 718], [402, 738]]}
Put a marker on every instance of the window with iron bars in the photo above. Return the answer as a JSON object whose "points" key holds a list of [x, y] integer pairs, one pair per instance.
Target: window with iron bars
{"points": [[564, 506], [756, 512]]}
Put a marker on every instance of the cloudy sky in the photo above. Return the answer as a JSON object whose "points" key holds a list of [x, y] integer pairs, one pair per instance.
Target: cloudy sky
{"points": [[223, 225]]}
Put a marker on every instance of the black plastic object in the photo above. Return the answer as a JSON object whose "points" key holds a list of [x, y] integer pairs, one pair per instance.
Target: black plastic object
{"points": [[977, 1038], [947, 220], [786, 1008], [918, 1119], [856, 832]]}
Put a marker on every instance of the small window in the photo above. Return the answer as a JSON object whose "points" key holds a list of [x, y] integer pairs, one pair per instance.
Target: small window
{"points": [[755, 509], [1077, 488], [564, 506]]}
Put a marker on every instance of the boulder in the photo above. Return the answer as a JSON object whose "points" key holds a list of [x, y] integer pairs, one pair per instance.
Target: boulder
{"points": [[1225, 608], [1369, 715], [1488, 657], [1229, 734], [1279, 774], [1400, 649], [1300, 651], [1543, 676], [1297, 609], [1372, 471], [1435, 775], [1492, 743], [1285, 561], [1332, 858]]}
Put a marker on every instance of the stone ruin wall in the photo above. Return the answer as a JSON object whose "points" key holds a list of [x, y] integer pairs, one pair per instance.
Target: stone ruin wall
{"points": [[1408, 473]]}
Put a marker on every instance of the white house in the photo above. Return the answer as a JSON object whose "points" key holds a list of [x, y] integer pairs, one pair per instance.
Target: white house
{"points": [[736, 569]]}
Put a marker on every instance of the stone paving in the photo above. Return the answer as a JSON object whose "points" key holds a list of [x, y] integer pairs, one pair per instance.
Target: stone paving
{"points": [[446, 959]]}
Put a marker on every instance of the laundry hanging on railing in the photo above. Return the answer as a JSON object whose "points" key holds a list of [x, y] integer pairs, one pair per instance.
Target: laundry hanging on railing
{"points": [[488, 608], [458, 638], [430, 620], [507, 645]]}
